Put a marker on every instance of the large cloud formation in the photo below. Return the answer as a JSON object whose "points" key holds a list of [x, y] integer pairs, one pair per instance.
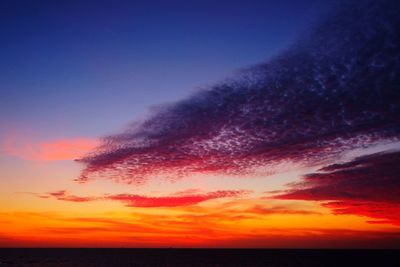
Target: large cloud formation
{"points": [[334, 90], [367, 186]]}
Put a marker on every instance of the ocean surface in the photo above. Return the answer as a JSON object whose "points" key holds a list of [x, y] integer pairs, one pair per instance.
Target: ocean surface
{"points": [[197, 257]]}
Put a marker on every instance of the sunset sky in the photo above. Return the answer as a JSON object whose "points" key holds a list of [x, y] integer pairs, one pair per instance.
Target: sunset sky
{"points": [[200, 124]]}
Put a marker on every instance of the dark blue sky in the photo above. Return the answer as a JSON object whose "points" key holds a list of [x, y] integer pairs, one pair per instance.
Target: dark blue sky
{"points": [[87, 68]]}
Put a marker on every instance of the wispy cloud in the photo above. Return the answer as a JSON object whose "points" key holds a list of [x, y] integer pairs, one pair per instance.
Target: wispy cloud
{"points": [[132, 200], [60, 149], [224, 229], [174, 201], [366, 186], [64, 195], [335, 90], [281, 210]]}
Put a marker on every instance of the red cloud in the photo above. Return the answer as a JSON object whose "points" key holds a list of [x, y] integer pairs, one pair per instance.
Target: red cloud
{"points": [[367, 186], [382, 212], [61, 149], [174, 201], [131, 200]]}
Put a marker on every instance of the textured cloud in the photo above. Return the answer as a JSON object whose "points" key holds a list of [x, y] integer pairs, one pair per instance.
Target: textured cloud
{"points": [[367, 186], [62, 149], [132, 200], [334, 90]]}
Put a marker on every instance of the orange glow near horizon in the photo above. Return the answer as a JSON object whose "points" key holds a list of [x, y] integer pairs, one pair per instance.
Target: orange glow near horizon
{"points": [[193, 212], [245, 221]]}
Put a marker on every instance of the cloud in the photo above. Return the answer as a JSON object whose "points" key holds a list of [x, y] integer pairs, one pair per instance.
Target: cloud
{"points": [[61, 149], [334, 90], [64, 195], [368, 186], [282, 210], [177, 229], [173, 201], [132, 200], [382, 213]]}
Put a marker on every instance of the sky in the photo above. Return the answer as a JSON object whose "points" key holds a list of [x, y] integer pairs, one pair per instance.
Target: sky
{"points": [[199, 124]]}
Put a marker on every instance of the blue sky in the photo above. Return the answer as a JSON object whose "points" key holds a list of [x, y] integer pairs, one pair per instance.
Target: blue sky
{"points": [[88, 68]]}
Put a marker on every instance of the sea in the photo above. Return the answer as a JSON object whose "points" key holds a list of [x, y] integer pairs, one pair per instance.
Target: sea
{"points": [[87, 257]]}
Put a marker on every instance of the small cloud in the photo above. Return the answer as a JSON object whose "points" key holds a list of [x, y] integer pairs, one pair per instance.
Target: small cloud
{"points": [[261, 210], [132, 200], [60, 149], [64, 195], [175, 200]]}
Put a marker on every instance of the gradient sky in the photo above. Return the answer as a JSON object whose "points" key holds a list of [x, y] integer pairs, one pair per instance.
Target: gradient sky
{"points": [[113, 60], [177, 145]]}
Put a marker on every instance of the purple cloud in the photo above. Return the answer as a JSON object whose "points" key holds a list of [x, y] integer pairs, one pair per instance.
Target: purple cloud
{"points": [[335, 90], [367, 186]]}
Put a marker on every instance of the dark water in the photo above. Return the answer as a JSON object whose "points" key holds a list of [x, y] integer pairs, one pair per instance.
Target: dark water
{"points": [[197, 257]]}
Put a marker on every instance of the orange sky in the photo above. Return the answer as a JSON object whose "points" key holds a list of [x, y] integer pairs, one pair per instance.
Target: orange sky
{"points": [[206, 124], [209, 211]]}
